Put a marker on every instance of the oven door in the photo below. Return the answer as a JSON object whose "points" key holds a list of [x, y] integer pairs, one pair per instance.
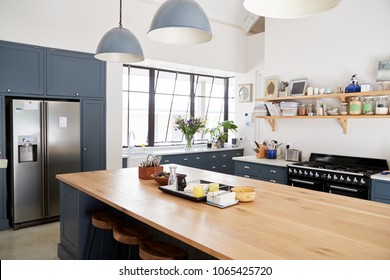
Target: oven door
{"points": [[305, 183], [347, 190]]}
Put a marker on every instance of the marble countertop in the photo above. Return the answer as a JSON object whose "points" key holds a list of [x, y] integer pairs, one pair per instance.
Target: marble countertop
{"points": [[254, 159], [381, 177]]}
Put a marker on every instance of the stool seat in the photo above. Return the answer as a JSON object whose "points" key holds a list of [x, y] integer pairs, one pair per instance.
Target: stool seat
{"points": [[104, 220], [130, 234], [156, 250]]}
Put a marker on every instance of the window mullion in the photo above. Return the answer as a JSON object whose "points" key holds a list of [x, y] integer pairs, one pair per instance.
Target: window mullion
{"points": [[152, 98], [170, 109]]}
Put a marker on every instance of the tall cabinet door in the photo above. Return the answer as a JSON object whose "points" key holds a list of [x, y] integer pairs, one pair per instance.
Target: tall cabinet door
{"points": [[93, 135], [21, 69]]}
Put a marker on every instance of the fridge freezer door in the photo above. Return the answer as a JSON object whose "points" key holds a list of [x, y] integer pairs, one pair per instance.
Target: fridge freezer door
{"points": [[62, 148], [27, 191]]}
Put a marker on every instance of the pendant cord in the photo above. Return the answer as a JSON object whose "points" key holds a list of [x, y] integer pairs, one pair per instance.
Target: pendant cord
{"points": [[120, 14]]}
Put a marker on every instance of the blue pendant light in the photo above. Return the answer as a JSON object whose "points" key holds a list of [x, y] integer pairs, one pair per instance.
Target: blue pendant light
{"points": [[180, 22], [289, 8], [119, 45]]}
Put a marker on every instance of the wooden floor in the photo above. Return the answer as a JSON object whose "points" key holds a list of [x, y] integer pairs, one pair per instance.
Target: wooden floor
{"points": [[32, 243]]}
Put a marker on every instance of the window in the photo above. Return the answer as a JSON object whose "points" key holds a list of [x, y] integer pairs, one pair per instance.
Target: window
{"points": [[153, 98]]}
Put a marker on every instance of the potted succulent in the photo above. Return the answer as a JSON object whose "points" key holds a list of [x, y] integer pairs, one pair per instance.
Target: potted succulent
{"points": [[219, 134]]}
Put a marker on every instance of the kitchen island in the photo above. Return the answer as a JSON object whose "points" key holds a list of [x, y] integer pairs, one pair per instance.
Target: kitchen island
{"points": [[283, 222]]}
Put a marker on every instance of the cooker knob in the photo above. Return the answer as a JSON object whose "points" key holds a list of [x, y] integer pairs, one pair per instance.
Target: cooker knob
{"points": [[335, 177], [348, 179], [295, 171], [317, 175], [342, 178], [306, 173], [311, 173], [290, 170], [329, 177], [300, 172], [355, 180], [362, 181]]}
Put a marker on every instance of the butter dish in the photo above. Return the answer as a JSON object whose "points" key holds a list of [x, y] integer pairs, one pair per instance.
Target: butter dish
{"points": [[221, 198]]}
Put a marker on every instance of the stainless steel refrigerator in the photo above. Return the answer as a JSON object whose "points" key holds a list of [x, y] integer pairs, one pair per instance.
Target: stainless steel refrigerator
{"points": [[45, 137]]}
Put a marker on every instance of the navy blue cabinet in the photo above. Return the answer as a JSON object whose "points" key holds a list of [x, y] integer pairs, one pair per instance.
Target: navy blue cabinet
{"points": [[21, 69], [264, 172], [218, 160], [380, 191], [93, 135], [73, 74]]}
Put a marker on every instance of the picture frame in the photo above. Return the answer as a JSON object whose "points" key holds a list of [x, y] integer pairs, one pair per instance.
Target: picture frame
{"points": [[245, 92], [298, 87], [271, 87]]}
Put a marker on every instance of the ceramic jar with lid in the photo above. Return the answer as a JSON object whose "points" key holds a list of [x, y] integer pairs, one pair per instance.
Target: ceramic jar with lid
{"points": [[382, 107], [355, 106], [368, 107]]}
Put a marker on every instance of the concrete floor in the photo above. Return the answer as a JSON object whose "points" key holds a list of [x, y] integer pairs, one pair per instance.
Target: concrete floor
{"points": [[31, 243]]}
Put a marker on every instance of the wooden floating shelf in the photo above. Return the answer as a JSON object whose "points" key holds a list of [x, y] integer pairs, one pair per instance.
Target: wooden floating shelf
{"points": [[342, 96], [343, 120]]}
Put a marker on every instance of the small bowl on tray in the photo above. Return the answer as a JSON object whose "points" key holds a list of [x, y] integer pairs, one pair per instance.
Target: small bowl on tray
{"points": [[161, 178]]}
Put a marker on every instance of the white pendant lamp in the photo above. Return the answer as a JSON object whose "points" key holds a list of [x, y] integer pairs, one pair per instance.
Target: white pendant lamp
{"points": [[180, 22], [119, 45], [289, 8]]}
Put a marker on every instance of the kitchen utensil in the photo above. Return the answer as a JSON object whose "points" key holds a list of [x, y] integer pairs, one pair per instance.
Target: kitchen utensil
{"points": [[244, 194]]}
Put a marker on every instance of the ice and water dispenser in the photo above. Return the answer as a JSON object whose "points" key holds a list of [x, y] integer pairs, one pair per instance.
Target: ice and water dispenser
{"points": [[27, 148]]}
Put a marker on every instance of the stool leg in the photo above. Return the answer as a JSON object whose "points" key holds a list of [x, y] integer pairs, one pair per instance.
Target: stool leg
{"points": [[101, 245], [91, 243]]}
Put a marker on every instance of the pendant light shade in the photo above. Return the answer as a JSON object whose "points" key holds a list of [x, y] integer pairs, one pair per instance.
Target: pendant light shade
{"points": [[180, 22], [289, 8], [119, 45]]}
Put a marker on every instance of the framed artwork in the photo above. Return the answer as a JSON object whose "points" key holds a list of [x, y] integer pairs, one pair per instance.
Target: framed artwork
{"points": [[271, 87], [298, 87], [383, 74], [245, 93]]}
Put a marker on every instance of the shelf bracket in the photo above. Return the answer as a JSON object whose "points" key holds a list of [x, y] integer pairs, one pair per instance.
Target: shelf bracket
{"points": [[344, 124], [272, 123]]}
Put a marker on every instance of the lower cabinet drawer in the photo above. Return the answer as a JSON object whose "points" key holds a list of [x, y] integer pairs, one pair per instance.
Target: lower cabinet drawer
{"points": [[247, 168], [273, 172]]}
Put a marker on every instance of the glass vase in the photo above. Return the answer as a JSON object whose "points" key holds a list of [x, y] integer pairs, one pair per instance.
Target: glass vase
{"points": [[188, 145]]}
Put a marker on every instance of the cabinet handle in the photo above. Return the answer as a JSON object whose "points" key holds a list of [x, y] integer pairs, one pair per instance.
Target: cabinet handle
{"points": [[185, 159], [224, 166], [84, 149], [9, 90], [223, 155], [247, 167], [214, 156], [272, 181], [246, 176], [213, 167], [167, 160], [272, 171], [77, 94], [197, 158]]}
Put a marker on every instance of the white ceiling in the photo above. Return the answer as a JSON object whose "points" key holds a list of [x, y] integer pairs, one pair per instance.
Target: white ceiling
{"points": [[227, 11]]}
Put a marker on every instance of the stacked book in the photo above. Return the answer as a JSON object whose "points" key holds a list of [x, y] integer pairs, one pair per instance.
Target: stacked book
{"points": [[273, 108], [289, 108], [260, 110]]}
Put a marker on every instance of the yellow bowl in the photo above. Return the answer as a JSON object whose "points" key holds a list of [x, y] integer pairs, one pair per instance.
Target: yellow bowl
{"points": [[244, 194]]}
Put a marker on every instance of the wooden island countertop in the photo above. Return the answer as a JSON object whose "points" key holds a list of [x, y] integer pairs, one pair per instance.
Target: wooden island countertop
{"points": [[283, 222]]}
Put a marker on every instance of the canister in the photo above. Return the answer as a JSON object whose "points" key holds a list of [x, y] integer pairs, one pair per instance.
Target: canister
{"points": [[355, 106], [382, 107], [344, 108], [368, 107]]}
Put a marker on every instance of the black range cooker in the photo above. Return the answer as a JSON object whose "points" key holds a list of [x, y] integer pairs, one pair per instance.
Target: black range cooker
{"points": [[343, 175]]}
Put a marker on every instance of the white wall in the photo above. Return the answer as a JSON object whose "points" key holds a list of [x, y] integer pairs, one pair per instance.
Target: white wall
{"points": [[327, 49], [79, 25]]}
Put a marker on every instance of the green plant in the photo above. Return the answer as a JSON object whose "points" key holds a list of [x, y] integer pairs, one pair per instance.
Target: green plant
{"points": [[220, 132]]}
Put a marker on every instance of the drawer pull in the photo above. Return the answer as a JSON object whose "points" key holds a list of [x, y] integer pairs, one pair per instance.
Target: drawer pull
{"points": [[224, 155], [247, 167], [272, 171], [224, 166], [213, 167], [272, 181], [197, 158], [214, 156], [167, 160], [246, 176], [185, 159]]}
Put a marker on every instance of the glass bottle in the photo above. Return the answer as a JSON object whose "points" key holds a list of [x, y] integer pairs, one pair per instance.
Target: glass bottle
{"points": [[344, 108], [172, 180]]}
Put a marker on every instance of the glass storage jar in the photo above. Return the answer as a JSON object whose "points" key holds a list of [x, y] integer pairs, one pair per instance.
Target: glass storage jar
{"points": [[302, 110], [355, 106], [382, 107], [368, 107], [344, 109]]}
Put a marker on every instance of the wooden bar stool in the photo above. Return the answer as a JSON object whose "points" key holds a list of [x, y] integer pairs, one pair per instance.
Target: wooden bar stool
{"points": [[103, 221], [131, 235], [156, 250]]}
